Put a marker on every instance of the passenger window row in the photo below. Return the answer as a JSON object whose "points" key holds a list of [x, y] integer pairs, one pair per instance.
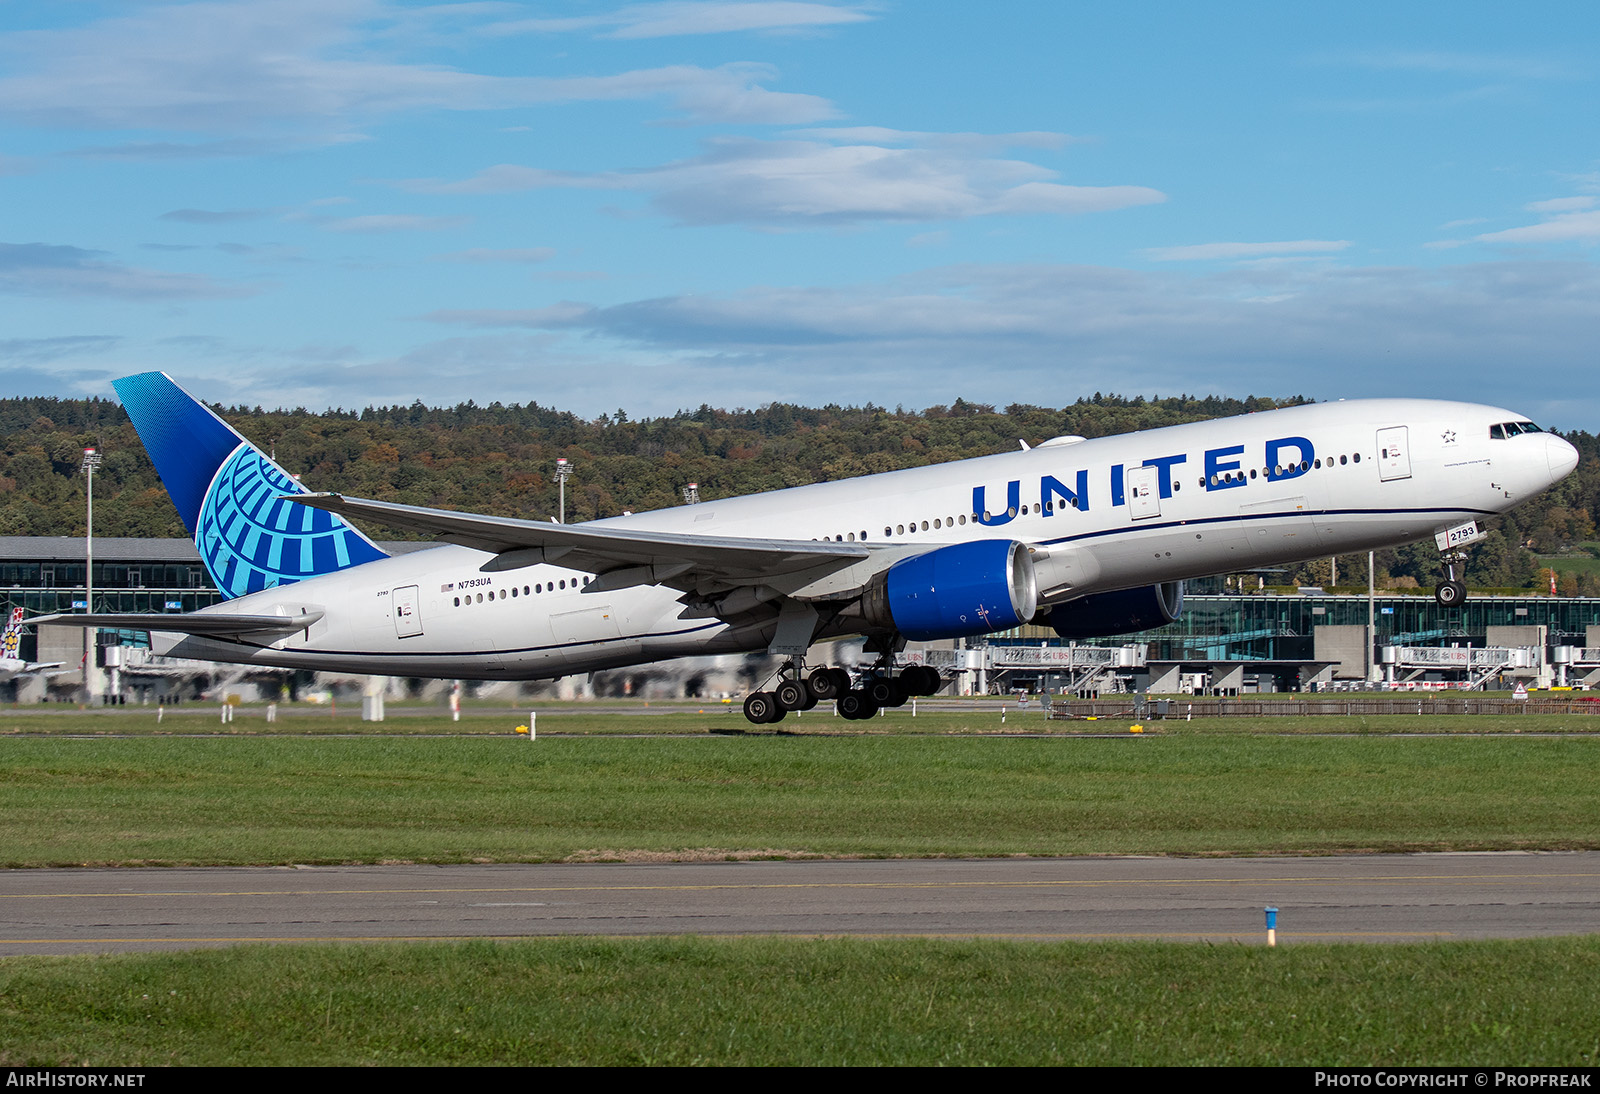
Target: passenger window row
{"points": [[501, 594], [1267, 472]]}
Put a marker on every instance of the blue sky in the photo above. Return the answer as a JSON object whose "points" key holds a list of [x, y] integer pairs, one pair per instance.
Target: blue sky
{"points": [[656, 205]]}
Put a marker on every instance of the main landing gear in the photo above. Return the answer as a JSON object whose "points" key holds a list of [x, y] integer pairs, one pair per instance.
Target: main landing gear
{"points": [[793, 692], [877, 689], [1451, 593]]}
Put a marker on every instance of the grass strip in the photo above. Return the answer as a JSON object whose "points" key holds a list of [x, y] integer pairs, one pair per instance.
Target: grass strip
{"points": [[809, 1001], [262, 800], [660, 720]]}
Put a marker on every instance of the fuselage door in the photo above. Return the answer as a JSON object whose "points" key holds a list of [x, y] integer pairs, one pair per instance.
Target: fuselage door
{"points": [[1394, 454], [407, 612], [1144, 495]]}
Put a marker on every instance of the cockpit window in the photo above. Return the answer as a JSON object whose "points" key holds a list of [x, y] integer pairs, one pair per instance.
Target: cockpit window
{"points": [[1511, 429], [1529, 427], [1497, 433]]}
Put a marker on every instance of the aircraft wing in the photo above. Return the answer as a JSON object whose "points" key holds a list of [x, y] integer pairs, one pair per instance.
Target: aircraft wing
{"points": [[621, 556], [207, 624]]}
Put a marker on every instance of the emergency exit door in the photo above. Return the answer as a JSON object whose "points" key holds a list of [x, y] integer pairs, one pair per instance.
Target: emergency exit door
{"points": [[407, 612], [1394, 454], [1144, 496]]}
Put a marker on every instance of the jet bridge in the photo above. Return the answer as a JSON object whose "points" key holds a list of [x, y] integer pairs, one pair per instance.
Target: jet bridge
{"points": [[1403, 665], [1079, 670], [1576, 666]]}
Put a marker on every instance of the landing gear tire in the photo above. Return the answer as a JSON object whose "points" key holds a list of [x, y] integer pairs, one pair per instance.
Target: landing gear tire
{"points": [[855, 706], [825, 684], [762, 708], [887, 691], [794, 695], [1450, 594], [921, 680]]}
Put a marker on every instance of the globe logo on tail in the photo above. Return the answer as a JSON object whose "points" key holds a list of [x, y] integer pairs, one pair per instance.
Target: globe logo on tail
{"points": [[252, 539]]}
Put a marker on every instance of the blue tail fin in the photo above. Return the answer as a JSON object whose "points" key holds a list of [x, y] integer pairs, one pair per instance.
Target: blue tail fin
{"points": [[228, 492]]}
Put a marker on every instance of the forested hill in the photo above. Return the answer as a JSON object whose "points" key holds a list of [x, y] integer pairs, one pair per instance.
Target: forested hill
{"points": [[500, 459]]}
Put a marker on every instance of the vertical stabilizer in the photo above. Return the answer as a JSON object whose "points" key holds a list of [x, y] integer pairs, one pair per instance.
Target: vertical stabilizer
{"points": [[11, 642], [228, 493]]}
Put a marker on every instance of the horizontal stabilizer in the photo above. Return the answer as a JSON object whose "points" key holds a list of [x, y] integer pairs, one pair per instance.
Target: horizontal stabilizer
{"points": [[208, 624]]}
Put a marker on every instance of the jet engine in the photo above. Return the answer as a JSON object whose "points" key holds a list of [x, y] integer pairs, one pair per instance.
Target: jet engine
{"points": [[955, 591], [1122, 612]]}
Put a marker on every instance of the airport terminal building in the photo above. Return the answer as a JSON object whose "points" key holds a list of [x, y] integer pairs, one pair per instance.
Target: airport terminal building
{"points": [[1264, 641]]}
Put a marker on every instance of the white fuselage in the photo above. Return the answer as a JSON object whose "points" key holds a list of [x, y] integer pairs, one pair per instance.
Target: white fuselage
{"points": [[1161, 505]]}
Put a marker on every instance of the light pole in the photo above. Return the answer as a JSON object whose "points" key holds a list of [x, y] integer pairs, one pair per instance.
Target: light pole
{"points": [[1372, 617], [563, 469], [91, 462], [691, 494]]}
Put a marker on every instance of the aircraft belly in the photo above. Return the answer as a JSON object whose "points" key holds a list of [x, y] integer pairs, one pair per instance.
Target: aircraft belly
{"points": [[1178, 551], [1280, 530]]}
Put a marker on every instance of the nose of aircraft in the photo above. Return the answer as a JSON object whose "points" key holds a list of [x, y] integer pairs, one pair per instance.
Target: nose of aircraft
{"points": [[1563, 457]]}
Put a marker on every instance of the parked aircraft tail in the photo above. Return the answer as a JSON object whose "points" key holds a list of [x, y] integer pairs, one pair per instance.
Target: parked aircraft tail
{"points": [[228, 493], [11, 642]]}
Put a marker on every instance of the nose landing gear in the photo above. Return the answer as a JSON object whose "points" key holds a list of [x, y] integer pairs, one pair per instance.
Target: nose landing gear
{"points": [[1453, 544], [1451, 593]]}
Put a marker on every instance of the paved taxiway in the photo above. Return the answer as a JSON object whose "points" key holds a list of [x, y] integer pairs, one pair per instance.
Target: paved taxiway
{"points": [[1371, 898]]}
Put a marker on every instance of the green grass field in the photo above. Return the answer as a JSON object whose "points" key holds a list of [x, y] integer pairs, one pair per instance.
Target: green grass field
{"points": [[244, 800], [667, 719], [809, 1001]]}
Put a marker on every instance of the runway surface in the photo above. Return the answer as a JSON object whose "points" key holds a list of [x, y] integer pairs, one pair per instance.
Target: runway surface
{"points": [[1369, 898]]}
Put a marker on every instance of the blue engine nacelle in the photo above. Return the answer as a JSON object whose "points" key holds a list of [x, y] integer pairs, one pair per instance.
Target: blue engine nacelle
{"points": [[1121, 612], [955, 591]]}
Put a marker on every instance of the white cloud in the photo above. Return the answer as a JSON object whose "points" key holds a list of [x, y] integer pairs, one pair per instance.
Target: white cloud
{"points": [[242, 67], [682, 17], [1049, 332], [215, 216], [215, 66], [44, 269], [788, 183], [514, 366], [970, 143], [1198, 252], [13, 350], [1059, 331], [1560, 205], [507, 178], [727, 93], [1562, 228]]}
